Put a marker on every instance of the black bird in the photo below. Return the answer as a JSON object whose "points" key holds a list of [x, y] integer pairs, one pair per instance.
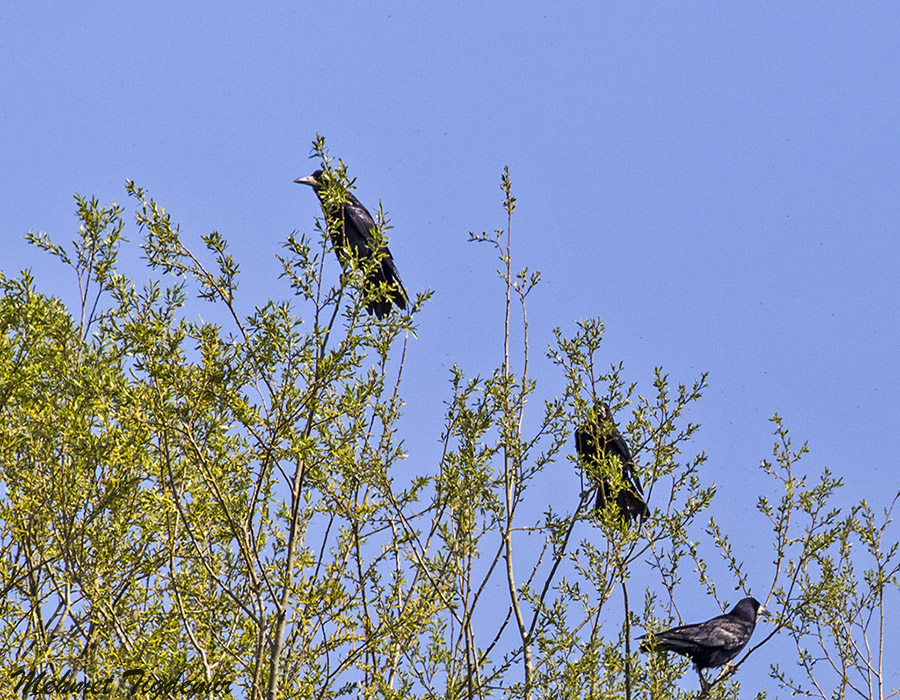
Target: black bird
{"points": [[600, 436], [351, 228], [712, 643]]}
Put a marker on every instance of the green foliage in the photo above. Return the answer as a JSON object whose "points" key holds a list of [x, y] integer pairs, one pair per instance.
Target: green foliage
{"points": [[233, 501]]}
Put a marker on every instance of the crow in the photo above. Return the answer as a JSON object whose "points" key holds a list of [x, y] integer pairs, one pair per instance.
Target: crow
{"points": [[350, 229], [712, 643], [600, 437]]}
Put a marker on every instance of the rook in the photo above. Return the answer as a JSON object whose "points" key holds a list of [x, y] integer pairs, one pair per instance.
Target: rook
{"points": [[350, 229]]}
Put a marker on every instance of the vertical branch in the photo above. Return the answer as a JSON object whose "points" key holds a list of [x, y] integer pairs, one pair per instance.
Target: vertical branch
{"points": [[368, 651], [281, 616], [509, 205], [627, 637], [510, 433], [881, 640], [517, 609], [296, 495]]}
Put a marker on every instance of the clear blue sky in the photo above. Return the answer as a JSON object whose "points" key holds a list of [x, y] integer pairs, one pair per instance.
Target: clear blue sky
{"points": [[718, 181]]}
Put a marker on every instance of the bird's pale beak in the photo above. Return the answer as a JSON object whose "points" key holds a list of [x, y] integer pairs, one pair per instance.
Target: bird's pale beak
{"points": [[308, 180]]}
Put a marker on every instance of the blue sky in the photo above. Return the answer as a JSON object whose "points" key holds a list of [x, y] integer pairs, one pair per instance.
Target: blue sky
{"points": [[717, 181]]}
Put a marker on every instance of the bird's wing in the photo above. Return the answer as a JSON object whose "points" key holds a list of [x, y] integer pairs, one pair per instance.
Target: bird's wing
{"points": [[629, 474], [358, 225], [614, 444], [585, 445], [724, 633], [590, 442]]}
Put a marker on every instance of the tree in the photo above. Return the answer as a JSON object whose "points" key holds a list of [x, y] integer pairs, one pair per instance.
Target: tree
{"points": [[228, 504]]}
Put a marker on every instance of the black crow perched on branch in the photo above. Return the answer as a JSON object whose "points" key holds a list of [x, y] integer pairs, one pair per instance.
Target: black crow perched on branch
{"points": [[600, 437], [350, 228], [712, 643]]}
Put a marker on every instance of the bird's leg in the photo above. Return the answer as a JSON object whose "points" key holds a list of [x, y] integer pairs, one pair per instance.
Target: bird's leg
{"points": [[704, 684]]}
